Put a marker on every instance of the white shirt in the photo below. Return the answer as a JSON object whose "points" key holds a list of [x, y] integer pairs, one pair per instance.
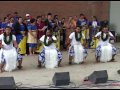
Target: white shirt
{"points": [[5, 45], [10, 24], [72, 37], [101, 42], [94, 24], [52, 46]]}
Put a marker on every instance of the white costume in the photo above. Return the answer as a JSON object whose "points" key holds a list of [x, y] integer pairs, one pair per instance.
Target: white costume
{"points": [[8, 54], [76, 49], [104, 49], [50, 54]]}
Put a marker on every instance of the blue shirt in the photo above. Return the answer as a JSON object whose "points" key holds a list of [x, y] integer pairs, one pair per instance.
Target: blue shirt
{"points": [[0, 24], [32, 27], [22, 27], [16, 19], [49, 24], [81, 23], [4, 25], [90, 23]]}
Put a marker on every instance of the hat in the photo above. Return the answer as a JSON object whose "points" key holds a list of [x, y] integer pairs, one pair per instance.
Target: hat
{"points": [[27, 15]]}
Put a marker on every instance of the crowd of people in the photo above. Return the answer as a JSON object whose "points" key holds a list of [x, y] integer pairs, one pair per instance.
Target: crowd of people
{"points": [[46, 35]]}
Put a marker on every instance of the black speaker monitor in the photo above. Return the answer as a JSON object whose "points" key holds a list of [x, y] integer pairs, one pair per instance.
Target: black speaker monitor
{"points": [[98, 77], [61, 78], [7, 83]]}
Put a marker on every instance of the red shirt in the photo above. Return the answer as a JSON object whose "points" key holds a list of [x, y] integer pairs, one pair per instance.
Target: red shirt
{"points": [[40, 26]]}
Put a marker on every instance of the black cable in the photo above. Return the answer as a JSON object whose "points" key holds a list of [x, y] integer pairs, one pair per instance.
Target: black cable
{"points": [[72, 83], [28, 86], [70, 86], [18, 84], [114, 80], [109, 83]]}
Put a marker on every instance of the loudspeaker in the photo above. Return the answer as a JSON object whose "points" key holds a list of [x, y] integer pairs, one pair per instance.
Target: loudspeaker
{"points": [[61, 78], [118, 71], [98, 77], [7, 83]]}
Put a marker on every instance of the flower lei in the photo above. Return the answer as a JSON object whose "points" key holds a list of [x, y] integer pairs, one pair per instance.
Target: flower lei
{"points": [[49, 42], [78, 36], [5, 38], [104, 39]]}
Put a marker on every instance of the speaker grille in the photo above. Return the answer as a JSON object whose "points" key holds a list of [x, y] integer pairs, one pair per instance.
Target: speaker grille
{"points": [[60, 79], [7, 83], [98, 77]]}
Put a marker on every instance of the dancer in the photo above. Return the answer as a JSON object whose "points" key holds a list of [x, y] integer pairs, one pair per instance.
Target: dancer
{"points": [[105, 51], [8, 52], [76, 49], [50, 55]]}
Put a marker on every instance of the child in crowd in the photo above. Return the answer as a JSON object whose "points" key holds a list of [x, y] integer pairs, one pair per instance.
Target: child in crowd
{"points": [[32, 36]]}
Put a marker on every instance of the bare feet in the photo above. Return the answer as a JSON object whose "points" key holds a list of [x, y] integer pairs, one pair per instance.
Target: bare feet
{"points": [[59, 65], [70, 63], [113, 59], [31, 54], [26, 54], [97, 60], [1, 71], [19, 67], [39, 66], [82, 62]]}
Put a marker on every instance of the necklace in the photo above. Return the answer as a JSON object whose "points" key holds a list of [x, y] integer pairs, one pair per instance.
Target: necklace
{"points": [[49, 42], [102, 37], [78, 36], [9, 40]]}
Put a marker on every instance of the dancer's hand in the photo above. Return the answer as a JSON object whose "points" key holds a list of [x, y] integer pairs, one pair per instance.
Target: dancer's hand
{"points": [[50, 39], [83, 44], [86, 45], [108, 33], [39, 30], [16, 46], [56, 45], [40, 44], [94, 38]]}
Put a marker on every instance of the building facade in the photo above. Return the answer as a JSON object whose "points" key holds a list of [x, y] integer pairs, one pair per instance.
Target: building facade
{"points": [[62, 8]]}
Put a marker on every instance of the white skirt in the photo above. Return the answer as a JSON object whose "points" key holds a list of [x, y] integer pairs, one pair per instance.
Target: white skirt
{"points": [[51, 58], [106, 53], [79, 54], [10, 58]]}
